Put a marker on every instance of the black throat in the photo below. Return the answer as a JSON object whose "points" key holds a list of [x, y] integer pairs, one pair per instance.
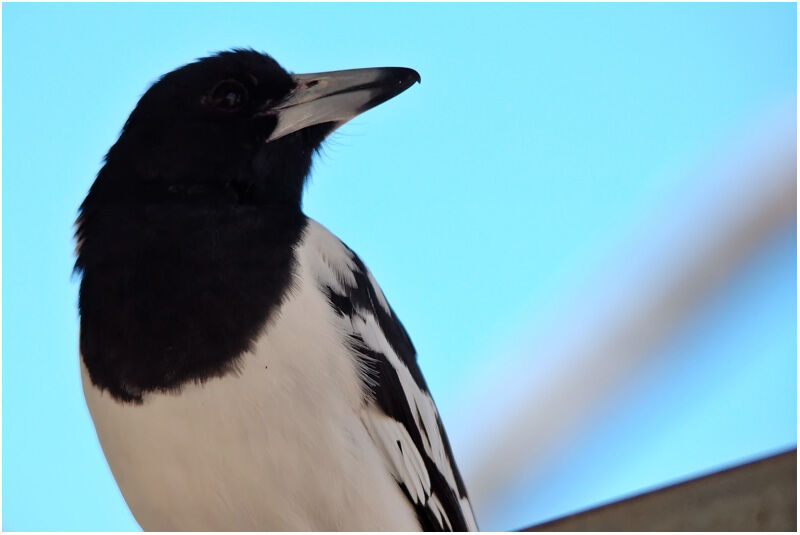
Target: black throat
{"points": [[178, 281]]}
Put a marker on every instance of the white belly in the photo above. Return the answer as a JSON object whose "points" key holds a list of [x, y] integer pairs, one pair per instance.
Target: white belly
{"points": [[278, 446]]}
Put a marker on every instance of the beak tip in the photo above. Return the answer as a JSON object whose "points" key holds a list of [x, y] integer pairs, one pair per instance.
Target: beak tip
{"points": [[404, 76]]}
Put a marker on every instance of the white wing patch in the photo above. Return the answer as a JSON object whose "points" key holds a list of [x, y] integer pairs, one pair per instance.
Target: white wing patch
{"points": [[405, 462], [336, 265], [381, 299], [335, 269], [469, 516], [421, 403]]}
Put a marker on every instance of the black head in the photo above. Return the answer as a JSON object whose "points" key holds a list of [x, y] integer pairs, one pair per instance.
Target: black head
{"points": [[235, 127]]}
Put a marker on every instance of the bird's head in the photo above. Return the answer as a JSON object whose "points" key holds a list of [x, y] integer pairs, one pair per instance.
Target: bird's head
{"points": [[236, 127], [196, 213]]}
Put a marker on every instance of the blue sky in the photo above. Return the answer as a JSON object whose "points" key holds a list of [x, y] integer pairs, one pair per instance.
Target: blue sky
{"points": [[540, 138]]}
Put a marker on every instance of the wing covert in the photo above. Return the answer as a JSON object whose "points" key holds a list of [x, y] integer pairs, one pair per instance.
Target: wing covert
{"points": [[399, 412]]}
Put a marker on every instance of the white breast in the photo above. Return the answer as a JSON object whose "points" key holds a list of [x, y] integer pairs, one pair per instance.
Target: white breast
{"points": [[279, 446]]}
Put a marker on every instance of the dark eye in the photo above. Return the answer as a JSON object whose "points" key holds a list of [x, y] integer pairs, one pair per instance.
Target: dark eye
{"points": [[228, 95]]}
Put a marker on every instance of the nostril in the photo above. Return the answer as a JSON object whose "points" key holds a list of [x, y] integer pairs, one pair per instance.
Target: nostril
{"points": [[312, 83]]}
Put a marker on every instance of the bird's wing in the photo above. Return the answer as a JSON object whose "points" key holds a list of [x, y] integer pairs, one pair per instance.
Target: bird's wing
{"points": [[399, 413]]}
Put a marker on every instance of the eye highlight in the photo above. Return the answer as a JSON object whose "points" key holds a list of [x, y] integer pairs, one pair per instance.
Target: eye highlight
{"points": [[228, 95]]}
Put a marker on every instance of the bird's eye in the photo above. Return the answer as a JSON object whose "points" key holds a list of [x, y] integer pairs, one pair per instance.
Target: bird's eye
{"points": [[228, 95]]}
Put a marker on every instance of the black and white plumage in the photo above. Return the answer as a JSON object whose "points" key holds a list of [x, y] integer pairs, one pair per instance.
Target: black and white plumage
{"points": [[243, 368]]}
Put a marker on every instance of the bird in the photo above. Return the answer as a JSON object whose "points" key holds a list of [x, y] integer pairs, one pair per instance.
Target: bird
{"points": [[242, 367]]}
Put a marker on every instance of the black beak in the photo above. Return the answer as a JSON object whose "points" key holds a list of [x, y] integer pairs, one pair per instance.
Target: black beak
{"points": [[336, 97]]}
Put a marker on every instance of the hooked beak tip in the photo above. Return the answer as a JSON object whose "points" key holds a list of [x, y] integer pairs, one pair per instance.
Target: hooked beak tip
{"points": [[414, 76]]}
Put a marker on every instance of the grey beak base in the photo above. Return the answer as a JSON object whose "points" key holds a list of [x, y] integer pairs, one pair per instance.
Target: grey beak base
{"points": [[337, 96]]}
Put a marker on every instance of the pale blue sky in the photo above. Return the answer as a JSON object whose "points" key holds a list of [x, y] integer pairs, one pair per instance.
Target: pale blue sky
{"points": [[539, 136]]}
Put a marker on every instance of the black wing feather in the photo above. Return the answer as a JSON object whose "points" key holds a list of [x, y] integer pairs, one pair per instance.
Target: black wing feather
{"points": [[354, 300]]}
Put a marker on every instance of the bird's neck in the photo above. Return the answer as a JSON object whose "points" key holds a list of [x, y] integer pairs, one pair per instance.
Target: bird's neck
{"points": [[173, 292]]}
